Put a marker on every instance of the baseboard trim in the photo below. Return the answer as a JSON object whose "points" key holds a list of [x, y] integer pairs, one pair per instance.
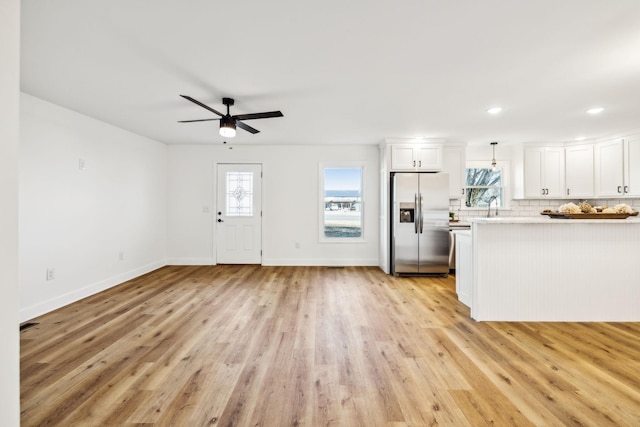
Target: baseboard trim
{"points": [[287, 262], [315, 262], [191, 261], [44, 307]]}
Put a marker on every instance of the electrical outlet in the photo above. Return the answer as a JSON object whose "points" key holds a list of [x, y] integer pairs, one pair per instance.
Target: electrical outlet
{"points": [[82, 164], [51, 273], [297, 245], [121, 255]]}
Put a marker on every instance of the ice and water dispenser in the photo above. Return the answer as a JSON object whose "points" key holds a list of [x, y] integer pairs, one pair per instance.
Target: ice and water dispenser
{"points": [[407, 212]]}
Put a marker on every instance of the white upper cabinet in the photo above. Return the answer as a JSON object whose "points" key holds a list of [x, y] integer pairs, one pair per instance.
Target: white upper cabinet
{"points": [[453, 163], [617, 171], [416, 157], [632, 167], [544, 172], [403, 157], [609, 157], [579, 171]]}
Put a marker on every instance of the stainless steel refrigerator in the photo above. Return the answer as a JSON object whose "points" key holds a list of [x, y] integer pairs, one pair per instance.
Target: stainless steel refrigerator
{"points": [[420, 223]]}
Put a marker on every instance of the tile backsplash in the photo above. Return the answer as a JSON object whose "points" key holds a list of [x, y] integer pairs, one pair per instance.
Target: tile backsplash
{"points": [[533, 207]]}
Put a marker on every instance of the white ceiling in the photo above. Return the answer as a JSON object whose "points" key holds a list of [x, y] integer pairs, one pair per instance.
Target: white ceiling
{"points": [[342, 72]]}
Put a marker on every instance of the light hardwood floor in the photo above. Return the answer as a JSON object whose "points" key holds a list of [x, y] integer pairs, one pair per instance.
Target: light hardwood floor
{"points": [[315, 346]]}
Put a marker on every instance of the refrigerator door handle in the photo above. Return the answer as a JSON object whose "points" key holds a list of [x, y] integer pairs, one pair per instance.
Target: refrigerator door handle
{"points": [[415, 213], [421, 217]]}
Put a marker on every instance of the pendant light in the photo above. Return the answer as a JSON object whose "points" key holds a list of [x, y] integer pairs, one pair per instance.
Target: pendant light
{"points": [[493, 160]]}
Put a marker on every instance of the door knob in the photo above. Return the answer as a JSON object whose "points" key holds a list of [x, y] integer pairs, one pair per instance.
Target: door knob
{"points": [[219, 213], [219, 220]]}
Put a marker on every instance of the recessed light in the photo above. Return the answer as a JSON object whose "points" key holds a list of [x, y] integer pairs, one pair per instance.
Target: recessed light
{"points": [[494, 110], [581, 138], [596, 110]]}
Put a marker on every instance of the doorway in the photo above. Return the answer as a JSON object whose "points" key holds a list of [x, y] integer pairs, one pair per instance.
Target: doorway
{"points": [[239, 214]]}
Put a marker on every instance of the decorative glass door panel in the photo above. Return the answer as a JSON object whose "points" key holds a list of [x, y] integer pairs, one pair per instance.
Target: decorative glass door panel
{"points": [[239, 190]]}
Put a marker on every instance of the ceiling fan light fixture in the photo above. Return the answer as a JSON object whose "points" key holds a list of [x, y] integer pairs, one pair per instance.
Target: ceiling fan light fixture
{"points": [[227, 127], [228, 122]]}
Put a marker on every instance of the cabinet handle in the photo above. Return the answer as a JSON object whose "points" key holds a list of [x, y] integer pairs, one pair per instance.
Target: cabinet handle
{"points": [[567, 191], [626, 189], [419, 163], [543, 191], [463, 191], [619, 188], [414, 163]]}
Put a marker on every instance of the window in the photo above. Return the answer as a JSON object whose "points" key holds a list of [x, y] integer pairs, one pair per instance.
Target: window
{"points": [[341, 204], [484, 185]]}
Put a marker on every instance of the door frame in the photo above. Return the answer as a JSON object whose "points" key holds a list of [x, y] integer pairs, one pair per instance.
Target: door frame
{"points": [[214, 216]]}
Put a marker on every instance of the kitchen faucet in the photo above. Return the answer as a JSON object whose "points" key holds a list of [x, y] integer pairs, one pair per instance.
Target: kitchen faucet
{"points": [[491, 199]]}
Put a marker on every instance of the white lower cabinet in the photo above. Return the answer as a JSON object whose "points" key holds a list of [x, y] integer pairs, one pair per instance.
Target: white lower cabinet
{"points": [[464, 270]]}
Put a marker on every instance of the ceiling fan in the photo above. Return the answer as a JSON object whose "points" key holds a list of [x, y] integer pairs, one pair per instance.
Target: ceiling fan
{"points": [[228, 122]]}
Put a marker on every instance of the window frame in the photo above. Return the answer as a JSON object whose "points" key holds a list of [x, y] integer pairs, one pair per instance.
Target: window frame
{"points": [[504, 166], [321, 201]]}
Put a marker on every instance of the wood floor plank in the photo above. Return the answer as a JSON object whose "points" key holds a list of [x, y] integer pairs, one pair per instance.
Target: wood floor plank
{"points": [[242, 345]]}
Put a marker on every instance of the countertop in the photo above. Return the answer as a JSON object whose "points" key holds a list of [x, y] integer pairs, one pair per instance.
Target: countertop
{"points": [[543, 219]]}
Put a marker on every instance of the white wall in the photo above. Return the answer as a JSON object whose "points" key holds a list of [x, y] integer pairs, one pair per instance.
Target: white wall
{"points": [[291, 197], [9, 128], [79, 221]]}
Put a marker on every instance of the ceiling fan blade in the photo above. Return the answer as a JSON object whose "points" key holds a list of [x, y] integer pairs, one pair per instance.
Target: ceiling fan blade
{"points": [[191, 121], [246, 127], [253, 116], [201, 104]]}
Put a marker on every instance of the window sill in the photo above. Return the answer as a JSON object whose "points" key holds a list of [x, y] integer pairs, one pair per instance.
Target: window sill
{"points": [[342, 240]]}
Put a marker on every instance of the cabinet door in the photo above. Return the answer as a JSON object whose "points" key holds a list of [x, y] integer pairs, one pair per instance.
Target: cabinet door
{"points": [[533, 184], [429, 157], [402, 157], [464, 268], [609, 171], [553, 171], [579, 171], [632, 167], [544, 172], [453, 163]]}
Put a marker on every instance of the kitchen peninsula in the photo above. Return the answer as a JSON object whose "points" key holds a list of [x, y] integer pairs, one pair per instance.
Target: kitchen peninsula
{"points": [[545, 269]]}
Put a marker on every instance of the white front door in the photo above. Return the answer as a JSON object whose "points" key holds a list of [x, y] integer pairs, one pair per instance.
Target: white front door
{"points": [[239, 214]]}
